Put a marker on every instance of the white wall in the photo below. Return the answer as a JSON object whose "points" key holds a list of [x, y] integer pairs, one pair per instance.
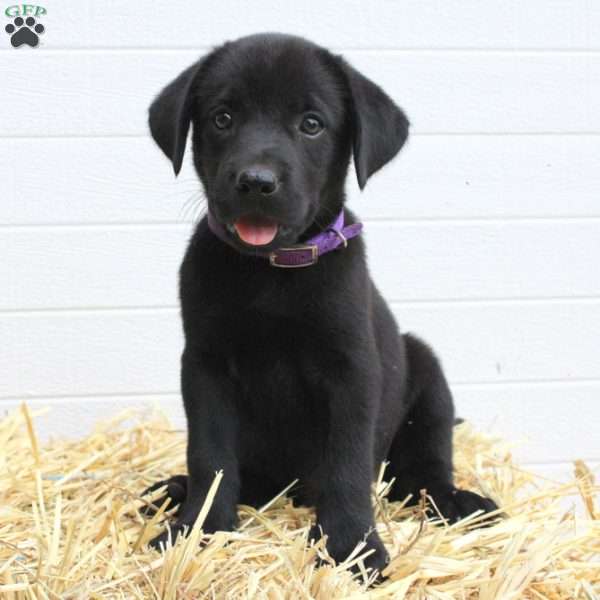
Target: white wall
{"points": [[484, 234]]}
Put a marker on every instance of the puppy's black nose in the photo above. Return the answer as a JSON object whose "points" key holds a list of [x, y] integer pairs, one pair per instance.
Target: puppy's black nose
{"points": [[258, 180]]}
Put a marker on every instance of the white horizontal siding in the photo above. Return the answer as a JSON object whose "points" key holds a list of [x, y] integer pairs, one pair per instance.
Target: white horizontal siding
{"points": [[509, 341], [127, 180], [549, 422], [538, 417], [78, 415], [569, 24], [136, 265], [107, 93], [484, 234], [75, 353], [137, 350]]}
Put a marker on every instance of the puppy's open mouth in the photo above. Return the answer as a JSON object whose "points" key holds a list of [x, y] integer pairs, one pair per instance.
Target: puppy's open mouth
{"points": [[255, 230]]}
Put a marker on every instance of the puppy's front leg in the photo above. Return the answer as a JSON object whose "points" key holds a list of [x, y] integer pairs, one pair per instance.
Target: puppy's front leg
{"points": [[208, 396], [343, 481]]}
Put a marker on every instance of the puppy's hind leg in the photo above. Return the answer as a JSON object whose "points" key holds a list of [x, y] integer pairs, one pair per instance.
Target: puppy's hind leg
{"points": [[421, 453]]}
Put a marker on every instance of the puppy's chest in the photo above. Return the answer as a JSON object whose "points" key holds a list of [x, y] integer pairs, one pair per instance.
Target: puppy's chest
{"points": [[271, 356], [282, 424], [277, 367]]}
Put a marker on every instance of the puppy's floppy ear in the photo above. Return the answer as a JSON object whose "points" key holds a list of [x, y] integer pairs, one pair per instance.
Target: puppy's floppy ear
{"points": [[170, 116], [380, 127]]}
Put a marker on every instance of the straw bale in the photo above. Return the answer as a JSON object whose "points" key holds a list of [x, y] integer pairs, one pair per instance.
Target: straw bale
{"points": [[71, 527]]}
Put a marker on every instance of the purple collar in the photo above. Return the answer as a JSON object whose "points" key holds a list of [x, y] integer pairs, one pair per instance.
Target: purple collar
{"points": [[306, 254]]}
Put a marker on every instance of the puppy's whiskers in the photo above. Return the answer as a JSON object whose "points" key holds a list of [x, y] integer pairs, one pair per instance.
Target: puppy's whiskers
{"points": [[192, 208]]}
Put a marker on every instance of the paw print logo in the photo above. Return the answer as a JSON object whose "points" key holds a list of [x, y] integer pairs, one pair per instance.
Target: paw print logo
{"points": [[24, 32]]}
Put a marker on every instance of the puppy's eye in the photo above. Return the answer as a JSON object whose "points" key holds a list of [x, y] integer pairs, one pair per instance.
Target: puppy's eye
{"points": [[311, 125], [222, 120]]}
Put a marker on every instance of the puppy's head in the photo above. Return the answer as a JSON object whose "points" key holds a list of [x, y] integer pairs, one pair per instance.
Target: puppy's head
{"points": [[275, 120]]}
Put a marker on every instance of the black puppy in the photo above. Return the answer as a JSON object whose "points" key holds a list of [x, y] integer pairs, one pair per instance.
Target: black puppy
{"points": [[295, 373]]}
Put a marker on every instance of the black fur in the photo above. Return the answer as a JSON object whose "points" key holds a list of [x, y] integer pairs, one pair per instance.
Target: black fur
{"points": [[296, 373]]}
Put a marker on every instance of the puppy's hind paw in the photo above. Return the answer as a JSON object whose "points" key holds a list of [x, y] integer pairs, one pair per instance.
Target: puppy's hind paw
{"points": [[455, 504]]}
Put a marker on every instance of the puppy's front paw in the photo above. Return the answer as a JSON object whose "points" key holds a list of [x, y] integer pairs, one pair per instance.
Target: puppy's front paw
{"points": [[219, 519], [172, 532], [455, 504], [379, 558], [340, 546]]}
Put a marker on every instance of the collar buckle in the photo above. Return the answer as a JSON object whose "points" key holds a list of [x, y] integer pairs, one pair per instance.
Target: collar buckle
{"points": [[294, 257]]}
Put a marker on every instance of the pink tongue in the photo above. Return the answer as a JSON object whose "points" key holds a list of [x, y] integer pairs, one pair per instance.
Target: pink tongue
{"points": [[256, 232]]}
